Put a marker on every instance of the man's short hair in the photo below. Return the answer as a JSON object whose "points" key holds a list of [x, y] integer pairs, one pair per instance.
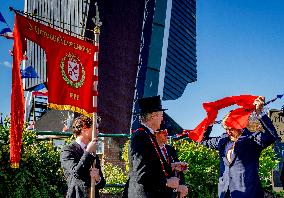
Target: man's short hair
{"points": [[145, 116], [80, 123]]}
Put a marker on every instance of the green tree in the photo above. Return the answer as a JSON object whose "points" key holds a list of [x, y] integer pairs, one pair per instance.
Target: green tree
{"points": [[113, 175], [202, 175], [125, 155], [267, 162], [39, 174]]}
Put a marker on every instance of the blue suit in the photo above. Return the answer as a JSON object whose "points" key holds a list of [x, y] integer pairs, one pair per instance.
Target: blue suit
{"points": [[240, 176]]}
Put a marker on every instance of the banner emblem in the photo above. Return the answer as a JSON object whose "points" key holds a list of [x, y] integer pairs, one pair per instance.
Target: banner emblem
{"points": [[72, 70]]}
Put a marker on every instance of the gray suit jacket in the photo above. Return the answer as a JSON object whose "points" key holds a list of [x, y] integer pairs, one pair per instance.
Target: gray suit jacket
{"points": [[76, 164], [240, 176]]}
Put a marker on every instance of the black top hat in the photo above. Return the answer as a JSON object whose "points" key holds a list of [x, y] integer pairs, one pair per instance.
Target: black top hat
{"points": [[150, 104]]}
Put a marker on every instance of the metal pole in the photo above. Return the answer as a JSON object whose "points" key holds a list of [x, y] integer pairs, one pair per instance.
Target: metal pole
{"points": [[34, 117], [96, 57]]}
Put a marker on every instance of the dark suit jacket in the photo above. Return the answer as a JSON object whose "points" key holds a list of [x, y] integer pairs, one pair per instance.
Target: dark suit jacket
{"points": [[241, 175], [76, 165], [174, 158], [282, 175], [146, 177]]}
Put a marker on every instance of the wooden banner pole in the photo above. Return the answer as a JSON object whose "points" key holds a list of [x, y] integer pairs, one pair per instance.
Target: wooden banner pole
{"points": [[95, 116]]}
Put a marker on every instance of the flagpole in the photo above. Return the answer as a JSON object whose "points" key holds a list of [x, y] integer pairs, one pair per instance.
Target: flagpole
{"points": [[96, 58]]}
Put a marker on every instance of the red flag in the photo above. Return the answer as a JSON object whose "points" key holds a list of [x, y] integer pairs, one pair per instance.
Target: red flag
{"points": [[237, 118], [70, 66], [17, 101]]}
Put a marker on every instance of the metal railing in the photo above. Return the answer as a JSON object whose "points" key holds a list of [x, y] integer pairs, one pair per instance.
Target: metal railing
{"points": [[69, 134]]}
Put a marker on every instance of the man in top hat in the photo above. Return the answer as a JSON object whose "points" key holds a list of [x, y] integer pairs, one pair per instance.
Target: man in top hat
{"points": [[150, 176]]}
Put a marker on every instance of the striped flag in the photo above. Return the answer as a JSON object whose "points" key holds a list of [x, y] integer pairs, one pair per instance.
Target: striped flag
{"points": [[7, 33], [2, 18], [29, 72]]}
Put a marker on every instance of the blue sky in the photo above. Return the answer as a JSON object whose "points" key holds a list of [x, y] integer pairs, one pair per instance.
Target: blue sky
{"points": [[5, 58], [240, 47]]}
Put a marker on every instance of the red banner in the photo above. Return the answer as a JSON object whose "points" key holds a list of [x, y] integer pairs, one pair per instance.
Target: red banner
{"points": [[70, 66], [70, 72], [17, 102], [237, 119]]}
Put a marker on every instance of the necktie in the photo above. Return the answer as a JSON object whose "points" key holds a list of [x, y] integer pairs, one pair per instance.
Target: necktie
{"points": [[230, 152], [164, 150]]}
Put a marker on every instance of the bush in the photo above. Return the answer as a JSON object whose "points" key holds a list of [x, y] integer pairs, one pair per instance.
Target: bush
{"points": [[267, 162], [203, 172], [39, 174], [125, 155], [113, 175]]}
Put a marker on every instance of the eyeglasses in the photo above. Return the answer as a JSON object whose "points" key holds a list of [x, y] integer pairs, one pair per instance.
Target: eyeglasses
{"points": [[228, 129]]}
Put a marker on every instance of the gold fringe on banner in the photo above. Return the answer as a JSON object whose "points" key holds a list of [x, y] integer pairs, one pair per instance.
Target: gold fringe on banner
{"points": [[70, 108], [15, 165]]}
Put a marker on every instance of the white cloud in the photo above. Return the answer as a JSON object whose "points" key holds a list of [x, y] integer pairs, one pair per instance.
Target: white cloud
{"points": [[6, 64]]}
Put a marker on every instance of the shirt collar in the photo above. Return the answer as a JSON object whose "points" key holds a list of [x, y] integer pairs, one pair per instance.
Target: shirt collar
{"points": [[82, 145], [151, 130]]}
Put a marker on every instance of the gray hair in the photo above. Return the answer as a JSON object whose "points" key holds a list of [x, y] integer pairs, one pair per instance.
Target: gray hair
{"points": [[144, 117]]}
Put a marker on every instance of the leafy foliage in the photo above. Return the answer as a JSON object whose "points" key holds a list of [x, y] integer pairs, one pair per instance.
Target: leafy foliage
{"points": [[202, 175], [39, 174], [125, 155], [267, 162], [113, 175]]}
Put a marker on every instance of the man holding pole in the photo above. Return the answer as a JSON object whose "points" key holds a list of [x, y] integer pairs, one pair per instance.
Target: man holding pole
{"points": [[77, 160]]}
